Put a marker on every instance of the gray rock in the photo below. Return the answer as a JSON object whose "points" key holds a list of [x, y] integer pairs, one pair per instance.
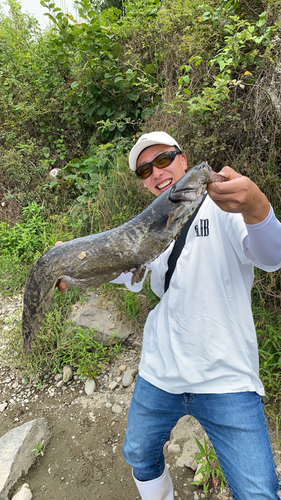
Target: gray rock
{"points": [[52, 391], [116, 408], [23, 494], [128, 377], [90, 386], [95, 316], [192, 464], [198, 475], [3, 406], [17, 452], [113, 385], [185, 432], [174, 448], [67, 373]]}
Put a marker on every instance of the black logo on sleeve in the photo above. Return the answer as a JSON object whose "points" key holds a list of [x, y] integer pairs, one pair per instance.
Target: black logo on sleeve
{"points": [[202, 229]]}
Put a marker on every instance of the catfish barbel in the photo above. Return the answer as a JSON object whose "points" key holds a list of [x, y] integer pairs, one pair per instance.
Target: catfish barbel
{"points": [[100, 258]]}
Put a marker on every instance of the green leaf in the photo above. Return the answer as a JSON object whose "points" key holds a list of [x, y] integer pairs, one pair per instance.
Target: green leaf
{"points": [[116, 49], [200, 446], [74, 85], [186, 78], [186, 68], [262, 20], [228, 4], [150, 69], [50, 17], [133, 96]]}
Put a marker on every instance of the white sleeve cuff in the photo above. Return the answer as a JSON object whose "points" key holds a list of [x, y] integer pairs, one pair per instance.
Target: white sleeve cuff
{"points": [[126, 278], [262, 245]]}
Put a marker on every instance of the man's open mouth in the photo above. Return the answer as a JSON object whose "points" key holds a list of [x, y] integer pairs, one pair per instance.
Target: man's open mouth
{"points": [[164, 184]]}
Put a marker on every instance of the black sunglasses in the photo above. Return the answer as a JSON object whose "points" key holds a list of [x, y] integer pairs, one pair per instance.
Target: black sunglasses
{"points": [[161, 161]]}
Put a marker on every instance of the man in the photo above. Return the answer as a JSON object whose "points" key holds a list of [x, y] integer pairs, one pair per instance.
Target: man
{"points": [[200, 354]]}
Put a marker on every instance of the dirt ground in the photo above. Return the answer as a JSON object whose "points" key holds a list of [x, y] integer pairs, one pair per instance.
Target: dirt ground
{"points": [[83, 459]]}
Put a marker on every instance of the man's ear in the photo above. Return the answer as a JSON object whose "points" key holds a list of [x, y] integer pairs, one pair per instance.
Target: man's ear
{"points": [[183, 161]]}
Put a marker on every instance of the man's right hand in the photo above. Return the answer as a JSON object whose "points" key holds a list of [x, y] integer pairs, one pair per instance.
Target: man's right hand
{"points": [[62, 287]]}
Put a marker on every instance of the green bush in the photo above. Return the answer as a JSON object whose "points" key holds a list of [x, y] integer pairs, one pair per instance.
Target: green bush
{"points": [[28, 238], [13, 274], [22, 244], [268, 327], [85, 354]]}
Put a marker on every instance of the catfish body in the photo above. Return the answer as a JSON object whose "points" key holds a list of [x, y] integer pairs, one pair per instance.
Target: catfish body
{"points": [[100, 258]]}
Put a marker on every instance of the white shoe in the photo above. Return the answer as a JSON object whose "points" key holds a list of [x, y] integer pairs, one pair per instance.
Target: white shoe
{"points": [[160, 488]]}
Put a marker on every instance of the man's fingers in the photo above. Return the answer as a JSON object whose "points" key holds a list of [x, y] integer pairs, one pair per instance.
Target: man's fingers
{"points": [[62, 287], [234, 183], [229, 173]]}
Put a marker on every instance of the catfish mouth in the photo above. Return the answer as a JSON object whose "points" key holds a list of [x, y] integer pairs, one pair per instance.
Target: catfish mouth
{"points": [[188, 190], [186, 194], [205, 166]]}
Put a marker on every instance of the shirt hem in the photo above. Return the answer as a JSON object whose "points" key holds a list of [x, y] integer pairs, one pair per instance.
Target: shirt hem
{"points": [[223, 389]]}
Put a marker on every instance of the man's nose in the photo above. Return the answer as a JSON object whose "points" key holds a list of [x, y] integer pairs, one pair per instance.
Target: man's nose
{"points": [[156, 172]]}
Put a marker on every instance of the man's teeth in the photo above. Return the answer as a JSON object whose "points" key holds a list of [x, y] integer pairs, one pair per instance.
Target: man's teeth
{"points": [[164, 184]]}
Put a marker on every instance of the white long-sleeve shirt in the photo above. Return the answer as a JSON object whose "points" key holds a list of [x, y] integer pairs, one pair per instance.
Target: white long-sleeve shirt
{"points": [[201, 338]]}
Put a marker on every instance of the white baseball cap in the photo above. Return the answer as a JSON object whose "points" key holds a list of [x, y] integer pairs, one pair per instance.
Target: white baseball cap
{"points": [[147, 140]]}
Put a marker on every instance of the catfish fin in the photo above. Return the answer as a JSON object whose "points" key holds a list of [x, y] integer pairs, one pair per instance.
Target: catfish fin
{"points": [[138, 275]]}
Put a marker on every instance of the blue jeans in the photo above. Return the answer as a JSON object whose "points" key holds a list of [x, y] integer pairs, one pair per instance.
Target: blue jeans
{"points": [[234, 422]]}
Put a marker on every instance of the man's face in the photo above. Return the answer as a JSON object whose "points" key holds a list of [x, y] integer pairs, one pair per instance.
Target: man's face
{"points": [[162, 179]]}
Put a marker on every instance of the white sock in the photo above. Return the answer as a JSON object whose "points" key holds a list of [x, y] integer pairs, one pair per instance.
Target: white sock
{"points": [[160, 488]]}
